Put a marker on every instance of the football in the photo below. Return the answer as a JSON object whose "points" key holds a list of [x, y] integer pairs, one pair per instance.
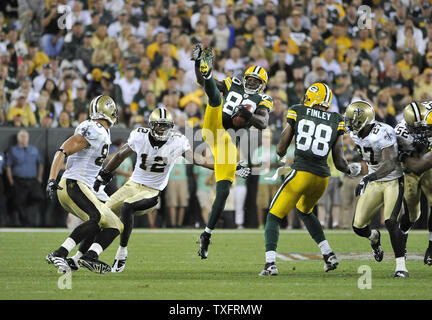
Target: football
{"points": [[238, 121]]}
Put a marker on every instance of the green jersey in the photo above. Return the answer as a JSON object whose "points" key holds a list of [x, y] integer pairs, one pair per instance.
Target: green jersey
{"points": [[234, 96], [316, 132]]}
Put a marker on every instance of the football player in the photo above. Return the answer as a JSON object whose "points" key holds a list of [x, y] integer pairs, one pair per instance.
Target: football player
{"points": [[242, 98], [382, 186], [420, 165], [157, 149], [317, 132], [413, 143], [85, 151]]}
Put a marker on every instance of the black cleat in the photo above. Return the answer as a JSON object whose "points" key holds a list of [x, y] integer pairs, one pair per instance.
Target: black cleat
{"points": [[270, 269], [72, 264], [94, 265], [331, 262], [59, 262], [428, 256], [204, 241], [377, 250], [401, 274]]}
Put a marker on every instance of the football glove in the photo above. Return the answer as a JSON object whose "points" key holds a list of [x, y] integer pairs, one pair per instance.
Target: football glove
{"points": [[360, 188], [243, 112], [196, 52], [103, 177], [355, 169], [51, 188], [420, 144], [403, 155], [242, 170]]}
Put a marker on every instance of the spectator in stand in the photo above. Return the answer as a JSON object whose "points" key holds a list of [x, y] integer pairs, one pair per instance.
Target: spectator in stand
{"points": [[30, 14], [39, 81], [424, 88], [330, 64], [24, 168], [384, 110], [223, 34], [52, 35], [4, 215], [317, 74], [397, 87], [235, 61], [23, 110]]}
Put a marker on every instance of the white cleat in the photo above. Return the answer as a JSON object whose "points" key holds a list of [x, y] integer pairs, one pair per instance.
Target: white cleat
{"points": [[118, 265], [270, 269]]}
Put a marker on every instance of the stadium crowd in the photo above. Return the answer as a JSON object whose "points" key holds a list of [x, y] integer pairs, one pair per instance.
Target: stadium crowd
{"points": [[53, 62]]}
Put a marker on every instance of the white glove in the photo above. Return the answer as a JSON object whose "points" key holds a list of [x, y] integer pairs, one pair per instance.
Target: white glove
{"points": [[279, 172], [196, 52], [355, 169], [241, 170]]}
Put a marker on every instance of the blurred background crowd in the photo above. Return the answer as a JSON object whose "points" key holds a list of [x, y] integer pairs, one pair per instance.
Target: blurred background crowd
{"points": [[53, 61]]}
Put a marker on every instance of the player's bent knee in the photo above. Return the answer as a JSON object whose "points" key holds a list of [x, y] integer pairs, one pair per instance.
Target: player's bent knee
{"points": [[362, 232]]}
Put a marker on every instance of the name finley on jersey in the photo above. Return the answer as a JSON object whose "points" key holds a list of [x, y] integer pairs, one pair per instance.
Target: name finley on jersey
{"points": [[318, 114]]}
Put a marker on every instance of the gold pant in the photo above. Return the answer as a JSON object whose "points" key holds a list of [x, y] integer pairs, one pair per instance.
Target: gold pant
{"points": [[301, 189], [78, 199], [377, 194], [414, 184], [220, 143]]}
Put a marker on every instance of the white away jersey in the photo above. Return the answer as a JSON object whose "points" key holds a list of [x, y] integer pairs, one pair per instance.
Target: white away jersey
{"points": [[85, 164], [404, 139], [154, 164], [381, 136]]}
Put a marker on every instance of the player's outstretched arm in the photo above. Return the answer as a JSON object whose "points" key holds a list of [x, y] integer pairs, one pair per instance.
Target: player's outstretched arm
{"points": [[338, 156], [105, 175], [197, 159], [285, 140], [419, 165]]}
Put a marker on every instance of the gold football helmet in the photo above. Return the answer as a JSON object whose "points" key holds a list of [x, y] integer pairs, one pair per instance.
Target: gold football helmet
{"points": [[358, 115], [161, 123], [428, 123], [103, 107], [415, 117], [318, 94], [251, 86]]}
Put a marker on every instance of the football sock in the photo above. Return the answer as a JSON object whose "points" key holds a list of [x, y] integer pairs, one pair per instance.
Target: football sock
{"points": [[325, 247], [127, 217], [373, 236], [121, 253], [77, 255], [66, 247], [271, 232], [213, 94], [270, 256], [313, 225], [396, 238], [85, 244], [405, 223], [222, 192], [87, 229], [103, 240], [363, 232], [208, 230], [400, 264]]}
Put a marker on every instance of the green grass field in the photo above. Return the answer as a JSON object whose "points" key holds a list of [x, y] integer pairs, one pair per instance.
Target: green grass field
{"points": [[163, 264]]}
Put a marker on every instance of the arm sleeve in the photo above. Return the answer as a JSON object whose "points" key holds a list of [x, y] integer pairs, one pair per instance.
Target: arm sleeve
{"points": [[266, 102], [291, 117], [131, 141], [388, 138], [89, 131]]}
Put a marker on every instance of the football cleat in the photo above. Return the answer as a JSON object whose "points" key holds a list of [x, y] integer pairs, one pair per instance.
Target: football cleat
{"points": [[94, 264], [59, 262], [73, 264], [204, 241], [206, 62], [118, 265], [401, 274], [377, 250], [428, 256], [270, 269], [331, 262]]}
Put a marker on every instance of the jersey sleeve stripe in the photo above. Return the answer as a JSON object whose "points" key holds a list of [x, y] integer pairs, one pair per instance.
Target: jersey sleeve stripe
{"points": [[228, 83], [266, 103], [291, 116]]}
